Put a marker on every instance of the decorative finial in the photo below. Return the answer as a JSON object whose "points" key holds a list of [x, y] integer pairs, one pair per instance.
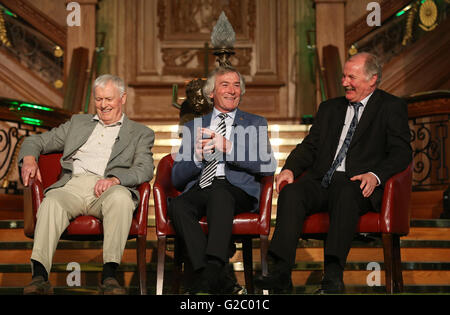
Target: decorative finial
{"points": [[222, 39]]}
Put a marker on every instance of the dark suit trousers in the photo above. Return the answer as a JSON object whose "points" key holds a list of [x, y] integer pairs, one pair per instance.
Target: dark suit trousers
{"points": [[219, 202], [343, 200]]}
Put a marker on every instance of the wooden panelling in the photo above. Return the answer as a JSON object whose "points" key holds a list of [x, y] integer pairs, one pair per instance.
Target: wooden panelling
{"points": [[158, 43]]}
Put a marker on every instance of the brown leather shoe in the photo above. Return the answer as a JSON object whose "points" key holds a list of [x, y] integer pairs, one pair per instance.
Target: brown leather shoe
{"points": [[111, 286], [38, 286]]}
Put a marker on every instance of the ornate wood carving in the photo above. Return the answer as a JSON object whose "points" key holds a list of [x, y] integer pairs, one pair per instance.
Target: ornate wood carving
{"points": [[189, 24], [193, 20]]}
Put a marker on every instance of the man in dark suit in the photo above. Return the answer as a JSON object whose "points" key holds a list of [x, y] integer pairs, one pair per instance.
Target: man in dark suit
{"points": [[357, 142], [221, 157]]}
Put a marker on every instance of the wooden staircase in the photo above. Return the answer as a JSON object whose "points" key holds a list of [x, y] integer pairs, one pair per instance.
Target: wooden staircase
{"points": [[425, 251]]}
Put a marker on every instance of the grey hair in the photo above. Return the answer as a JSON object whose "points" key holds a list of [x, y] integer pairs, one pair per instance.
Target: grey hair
{"points": [[102, 80], [372, 65], [210, 84]]}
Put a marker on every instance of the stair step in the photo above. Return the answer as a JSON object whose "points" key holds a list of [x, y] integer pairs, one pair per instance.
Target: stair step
{"points": [[302, 274]]}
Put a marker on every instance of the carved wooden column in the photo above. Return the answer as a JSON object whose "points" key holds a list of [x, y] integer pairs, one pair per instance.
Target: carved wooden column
{"points": [[83, 35], [330, 25], [330, 30]]}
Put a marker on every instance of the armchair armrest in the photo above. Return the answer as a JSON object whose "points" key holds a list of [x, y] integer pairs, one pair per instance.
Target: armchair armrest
{"points": [[395, 208], [33, 196], [163, 189], [142, 209], [265, 204]]}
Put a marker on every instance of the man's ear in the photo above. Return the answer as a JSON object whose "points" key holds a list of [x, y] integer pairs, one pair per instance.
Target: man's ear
{"points": [[124, 98], [373, 80]]}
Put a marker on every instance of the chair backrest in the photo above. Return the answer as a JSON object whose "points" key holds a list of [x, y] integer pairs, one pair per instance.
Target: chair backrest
{"points": [[50, 168]]}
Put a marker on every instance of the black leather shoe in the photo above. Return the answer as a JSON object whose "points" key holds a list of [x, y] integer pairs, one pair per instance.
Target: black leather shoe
{"points": [[328, 286], [279, 282]]}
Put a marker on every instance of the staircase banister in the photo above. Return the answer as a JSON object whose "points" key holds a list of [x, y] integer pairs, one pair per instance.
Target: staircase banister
{"points": [[359, 28], [39, 20], [429, 103]]}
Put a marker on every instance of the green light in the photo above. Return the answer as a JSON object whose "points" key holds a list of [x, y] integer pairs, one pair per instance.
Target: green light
{"points": [[10, 13], [31, 121], [404, 10], [6, 11], [35, 107]]}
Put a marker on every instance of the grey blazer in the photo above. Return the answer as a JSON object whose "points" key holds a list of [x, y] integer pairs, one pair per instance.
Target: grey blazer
{"points": [[131, 159]]}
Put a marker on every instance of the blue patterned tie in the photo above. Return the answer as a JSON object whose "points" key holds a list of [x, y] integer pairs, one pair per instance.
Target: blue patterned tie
{"points": [[343, 151], [209, 172]]}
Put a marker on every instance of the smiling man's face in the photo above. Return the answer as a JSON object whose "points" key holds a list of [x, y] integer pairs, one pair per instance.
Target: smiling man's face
{"points": [[108, 103], [227, 92], [357, 84]]}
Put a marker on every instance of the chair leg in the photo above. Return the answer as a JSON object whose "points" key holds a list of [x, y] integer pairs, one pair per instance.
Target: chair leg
{"points": [[392, 263], [177, 262], [264, 246], [160, 264], [398, 276], [141, 258], [248, 264]]}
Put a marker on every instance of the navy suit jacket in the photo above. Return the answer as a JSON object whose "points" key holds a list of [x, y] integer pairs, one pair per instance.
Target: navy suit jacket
{"points": [[250, 158]]}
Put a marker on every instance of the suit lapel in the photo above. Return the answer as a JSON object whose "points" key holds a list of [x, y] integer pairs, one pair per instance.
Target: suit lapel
{"points": [[239, 119], [368, 115], [206, 120], [83, 133], [339, 119], [123, 139]]}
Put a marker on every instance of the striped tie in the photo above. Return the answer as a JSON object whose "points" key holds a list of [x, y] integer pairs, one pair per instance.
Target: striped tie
{"points": [[209, 172], [343, 151]]}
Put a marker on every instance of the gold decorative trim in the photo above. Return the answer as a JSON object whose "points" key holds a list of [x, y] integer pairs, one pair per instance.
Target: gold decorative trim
{"points": [[428, 15]]}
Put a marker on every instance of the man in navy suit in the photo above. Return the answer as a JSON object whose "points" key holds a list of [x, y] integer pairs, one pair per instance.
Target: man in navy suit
{"points": [[356, 144], [221, 157]]}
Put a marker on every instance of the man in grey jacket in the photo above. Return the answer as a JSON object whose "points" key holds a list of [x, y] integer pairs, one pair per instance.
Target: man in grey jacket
{"points": [[105, 157]]}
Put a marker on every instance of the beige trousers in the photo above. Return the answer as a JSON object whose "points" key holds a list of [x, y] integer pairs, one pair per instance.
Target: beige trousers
{"points": [[60, 205]]}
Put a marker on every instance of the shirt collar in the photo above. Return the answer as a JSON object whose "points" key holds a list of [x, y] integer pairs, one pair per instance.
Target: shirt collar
{"points": [[365, 100], [217, 112], [117, 123]]}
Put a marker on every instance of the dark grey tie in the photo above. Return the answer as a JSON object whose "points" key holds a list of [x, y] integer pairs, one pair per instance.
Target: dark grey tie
{"points": [[343, 151], [209, 172]]}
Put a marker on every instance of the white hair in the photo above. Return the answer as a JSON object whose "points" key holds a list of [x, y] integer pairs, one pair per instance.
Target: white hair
{"points": [[102, 80], [210, 84]]}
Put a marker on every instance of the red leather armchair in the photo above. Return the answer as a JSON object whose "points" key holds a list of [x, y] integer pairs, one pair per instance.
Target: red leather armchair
{"points": [[246, 226], [88, 227], [391, 223]]}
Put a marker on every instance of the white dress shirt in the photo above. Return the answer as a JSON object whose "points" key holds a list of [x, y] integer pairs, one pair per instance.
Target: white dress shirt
{"points": [[92, 157], [348, 119], [215, 120]]}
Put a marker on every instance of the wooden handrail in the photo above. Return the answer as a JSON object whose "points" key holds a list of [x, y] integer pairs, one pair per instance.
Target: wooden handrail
{"points": [[39, 20], [428, 104], [359, 28]]}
